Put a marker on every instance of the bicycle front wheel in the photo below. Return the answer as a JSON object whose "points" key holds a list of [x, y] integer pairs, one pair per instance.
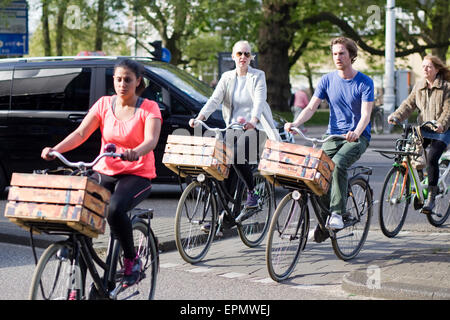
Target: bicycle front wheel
{"points": [[348, 242], [57, 275], [288, 233], [394, 201], [145, 246], [196, 210], [253, 230], [441, 210]]}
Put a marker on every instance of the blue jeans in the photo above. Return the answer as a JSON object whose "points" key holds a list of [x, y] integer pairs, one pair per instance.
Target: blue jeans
{"points": [[344, 154]]}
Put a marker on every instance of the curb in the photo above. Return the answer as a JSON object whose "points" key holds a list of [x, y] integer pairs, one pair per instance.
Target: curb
{"points": [[389, 286]]}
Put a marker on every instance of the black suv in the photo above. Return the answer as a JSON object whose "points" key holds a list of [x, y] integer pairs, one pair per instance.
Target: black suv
{"points": [[42, 100]]}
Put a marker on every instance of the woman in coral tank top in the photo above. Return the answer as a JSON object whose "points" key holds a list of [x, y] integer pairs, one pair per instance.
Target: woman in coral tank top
{"points": [[133, 124]]}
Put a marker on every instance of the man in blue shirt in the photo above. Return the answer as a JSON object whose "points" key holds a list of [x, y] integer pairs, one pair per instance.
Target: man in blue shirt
{"points": [[350, 96]]}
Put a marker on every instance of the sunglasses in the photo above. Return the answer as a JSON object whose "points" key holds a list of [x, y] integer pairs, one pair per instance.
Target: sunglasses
{"points": [[247, 54]]}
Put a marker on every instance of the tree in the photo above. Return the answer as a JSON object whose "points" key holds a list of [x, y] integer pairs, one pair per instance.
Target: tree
{"points": [[283, 19]]}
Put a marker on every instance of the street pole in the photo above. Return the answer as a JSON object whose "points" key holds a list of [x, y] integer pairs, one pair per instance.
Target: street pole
{"points": [[389, 68]]}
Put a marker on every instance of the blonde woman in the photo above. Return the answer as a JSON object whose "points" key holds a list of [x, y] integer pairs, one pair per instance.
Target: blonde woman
{"points": [[241, 93]]}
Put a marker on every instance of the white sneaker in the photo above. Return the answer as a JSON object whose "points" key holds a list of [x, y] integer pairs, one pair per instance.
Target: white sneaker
{"points": [[335, 221]]}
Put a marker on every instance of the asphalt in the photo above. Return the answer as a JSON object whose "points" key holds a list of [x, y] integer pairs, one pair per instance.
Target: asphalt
{"points": [[413, 273]]}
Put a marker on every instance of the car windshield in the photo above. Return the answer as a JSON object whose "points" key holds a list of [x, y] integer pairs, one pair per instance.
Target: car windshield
{"points": [[182, 80]]}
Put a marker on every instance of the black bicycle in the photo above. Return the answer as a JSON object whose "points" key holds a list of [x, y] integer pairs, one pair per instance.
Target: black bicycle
{"points": [[207, 206], [289, 228], [62, 270]]}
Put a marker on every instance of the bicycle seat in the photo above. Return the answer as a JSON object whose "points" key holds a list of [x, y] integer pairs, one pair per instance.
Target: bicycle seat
{"points": [[142, 213]]}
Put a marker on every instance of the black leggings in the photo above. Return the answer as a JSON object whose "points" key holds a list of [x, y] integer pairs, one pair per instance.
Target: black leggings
{"points": [[126, 192], [437, 148], [246, 152]]}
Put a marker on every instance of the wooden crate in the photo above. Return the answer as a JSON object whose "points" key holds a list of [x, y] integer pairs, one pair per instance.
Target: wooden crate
{"points": [[290, 164], [192, 155], [38, 201]]}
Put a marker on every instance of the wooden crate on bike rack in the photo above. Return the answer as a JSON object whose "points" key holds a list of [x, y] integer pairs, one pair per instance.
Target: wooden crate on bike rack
{"points": [[192, 155], [52, 202], [291, 164]]}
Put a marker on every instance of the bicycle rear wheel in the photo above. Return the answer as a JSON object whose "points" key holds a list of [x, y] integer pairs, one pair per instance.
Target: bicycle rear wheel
{"points": [[146, 249], [348, 242], [57, 275], [394, 201], [287, 233], [441, 210], [196, 208], [253, 229]]}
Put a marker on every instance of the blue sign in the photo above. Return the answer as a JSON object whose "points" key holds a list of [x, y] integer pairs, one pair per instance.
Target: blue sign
{"points": [[14, 29], [166, 55], [13, 44]]}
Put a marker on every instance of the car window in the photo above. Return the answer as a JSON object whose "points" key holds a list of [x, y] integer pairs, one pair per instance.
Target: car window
{"points": [[5, 87], [183, 81], [52, 89]]}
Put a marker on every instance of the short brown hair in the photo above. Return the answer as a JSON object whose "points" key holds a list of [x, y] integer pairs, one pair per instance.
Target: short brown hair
{"points": [[349, 44]]}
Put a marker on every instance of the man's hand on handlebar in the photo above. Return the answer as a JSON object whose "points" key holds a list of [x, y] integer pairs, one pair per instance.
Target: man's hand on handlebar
{"points": [[351, 136]]}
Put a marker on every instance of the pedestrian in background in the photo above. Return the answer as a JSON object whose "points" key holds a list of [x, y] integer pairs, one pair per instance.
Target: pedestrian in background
{"points": [[300, 101]]}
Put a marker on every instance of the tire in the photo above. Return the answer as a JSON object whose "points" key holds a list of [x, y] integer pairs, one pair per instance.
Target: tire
{"points": [[395, 198], [287, 235], [196, 207], [146, 249], [348, 242], [253, 230], [55, 277], [442, 208]]}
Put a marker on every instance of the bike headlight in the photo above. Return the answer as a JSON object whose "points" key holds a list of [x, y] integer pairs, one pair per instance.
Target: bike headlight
{"points": [[201, 177]]}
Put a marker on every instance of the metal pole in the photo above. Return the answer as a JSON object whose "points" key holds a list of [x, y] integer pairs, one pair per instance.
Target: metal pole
{"points": [[389, 69]]}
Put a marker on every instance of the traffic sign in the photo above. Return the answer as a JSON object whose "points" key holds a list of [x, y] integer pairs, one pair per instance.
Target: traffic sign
{"points": [[14, 28]]}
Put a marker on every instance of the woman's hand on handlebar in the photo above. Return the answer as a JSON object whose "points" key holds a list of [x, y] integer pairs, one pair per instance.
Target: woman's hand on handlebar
{"points": [[288, 126], [392, 120], [130, 155], [45, 154], [439, 128]]}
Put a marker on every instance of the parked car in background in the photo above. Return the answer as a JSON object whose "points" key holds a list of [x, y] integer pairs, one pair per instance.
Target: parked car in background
{"points": [[42, 100]]}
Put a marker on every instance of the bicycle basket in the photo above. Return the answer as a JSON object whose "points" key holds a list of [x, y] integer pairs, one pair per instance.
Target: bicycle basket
{"points": [[57, 203], [192, 155], [287, 164]]}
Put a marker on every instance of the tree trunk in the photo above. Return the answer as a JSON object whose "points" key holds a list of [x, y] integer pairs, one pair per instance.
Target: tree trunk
{"points": [[45, 28], [274, 40], [62, 8], [99, 26]]}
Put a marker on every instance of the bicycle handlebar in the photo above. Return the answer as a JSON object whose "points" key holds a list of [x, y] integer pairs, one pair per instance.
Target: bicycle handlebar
{"points": [[110, 152], [433, 123], [234, 124], [316, 141]]}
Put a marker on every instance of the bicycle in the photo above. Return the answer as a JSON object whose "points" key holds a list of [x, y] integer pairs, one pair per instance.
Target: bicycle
{"points": [[218, 204], [288, 232], [404, 182], [377, 119], [61, 272]]}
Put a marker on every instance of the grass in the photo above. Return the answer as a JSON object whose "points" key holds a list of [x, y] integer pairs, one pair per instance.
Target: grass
{"points": [[319, 118]]}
